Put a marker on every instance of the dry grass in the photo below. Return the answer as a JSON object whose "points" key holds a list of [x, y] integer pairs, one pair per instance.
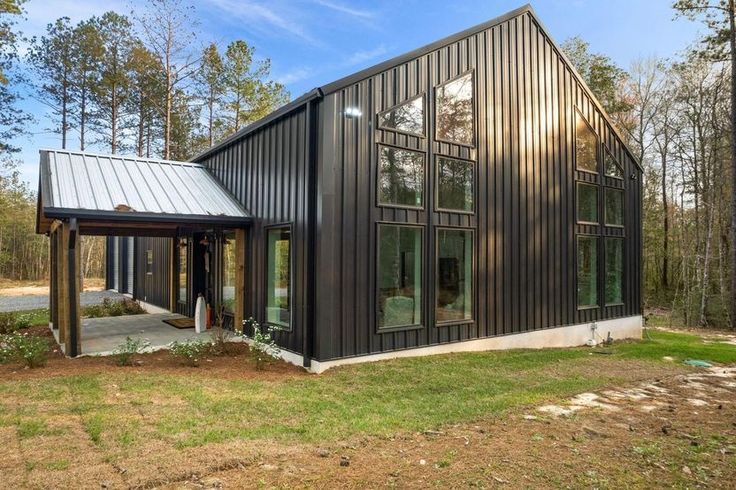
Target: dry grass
{"points": [[9, 287]]}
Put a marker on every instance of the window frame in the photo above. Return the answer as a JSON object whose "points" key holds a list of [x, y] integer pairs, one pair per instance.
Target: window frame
{"points": [[578, 113], [621, 239], [179, 246], [597, 187], [149, 261], [266, 230], [473, 272], [377, 269], [380, 204], [423, 134], [436, 196], [474, 111], [605, 149], [597, 272], [606, 190]]}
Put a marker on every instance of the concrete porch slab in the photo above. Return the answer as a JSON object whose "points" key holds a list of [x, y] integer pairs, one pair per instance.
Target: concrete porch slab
{"points": [[101, 336]]}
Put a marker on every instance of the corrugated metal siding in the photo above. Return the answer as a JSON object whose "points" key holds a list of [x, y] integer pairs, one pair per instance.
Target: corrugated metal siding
{"points": [[153, 288], [267, 173], [85, 181], [525, 199]]}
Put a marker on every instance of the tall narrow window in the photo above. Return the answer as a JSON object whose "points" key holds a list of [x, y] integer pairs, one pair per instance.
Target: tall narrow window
{"points": [[278, 277], [407, 117], [399, 276], [455, 183], [611, 166], [587, 203], [614, 207], [400, 177], [614, 270], [587, 271], [182, 269], [228, 272], [454, 111], [149, 261], [454, 294], [586, 145]]}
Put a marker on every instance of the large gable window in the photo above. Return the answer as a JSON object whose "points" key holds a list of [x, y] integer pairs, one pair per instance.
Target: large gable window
{"points": [[399, 276], [407, 117], [454, 296], [455, 183], [611, 167], [454, 110], [400, 177], [586, 145], [614, 207], [587, 203], [587, 271]]}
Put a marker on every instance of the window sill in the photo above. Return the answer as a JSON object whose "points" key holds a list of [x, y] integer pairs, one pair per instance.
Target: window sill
{"points": [[400, 328], [452, 323]]}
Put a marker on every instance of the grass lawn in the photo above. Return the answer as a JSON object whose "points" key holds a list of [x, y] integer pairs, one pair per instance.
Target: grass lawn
{"points": [[121, 411], [370, 399]]}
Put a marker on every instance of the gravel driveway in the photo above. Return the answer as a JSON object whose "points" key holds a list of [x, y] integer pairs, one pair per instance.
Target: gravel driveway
{"points": [[33, 301]]}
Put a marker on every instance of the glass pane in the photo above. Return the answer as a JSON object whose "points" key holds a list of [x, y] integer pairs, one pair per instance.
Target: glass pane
{"points": [[455, 183], [614, 270], [400, 177], [228, 272], [182, 294], [407, 117], [587, 271], [585, 146], [614, 207], [149, 261], [454, 275], [611, 166], [399, 276], [454, 111], [278, 278], [587, 203]]}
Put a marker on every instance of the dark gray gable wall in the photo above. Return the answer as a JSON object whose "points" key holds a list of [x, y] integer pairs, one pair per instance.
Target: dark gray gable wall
{"points": [[525, 273]]}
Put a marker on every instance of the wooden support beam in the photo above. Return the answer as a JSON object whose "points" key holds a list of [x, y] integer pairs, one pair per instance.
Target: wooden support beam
{"points": [[62, 280], [238, 314], [72, 254]]}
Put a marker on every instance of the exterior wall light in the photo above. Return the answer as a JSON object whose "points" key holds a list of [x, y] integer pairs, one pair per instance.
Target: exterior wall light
{"points": [[353, 112]]}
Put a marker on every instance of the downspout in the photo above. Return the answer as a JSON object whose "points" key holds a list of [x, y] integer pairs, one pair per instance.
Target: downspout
{"points": [[71, 264], [311, 280]]}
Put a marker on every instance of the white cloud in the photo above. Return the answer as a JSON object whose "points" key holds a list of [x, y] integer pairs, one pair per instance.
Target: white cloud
{"points": [[293, 76], [363, 14], [359, 57], [265, 18]]}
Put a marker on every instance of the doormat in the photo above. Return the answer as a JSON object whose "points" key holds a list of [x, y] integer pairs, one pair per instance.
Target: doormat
{"points": [[181, 322]]}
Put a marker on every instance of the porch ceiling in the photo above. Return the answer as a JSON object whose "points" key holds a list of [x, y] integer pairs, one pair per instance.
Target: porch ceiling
{"points": [[109, 194]]}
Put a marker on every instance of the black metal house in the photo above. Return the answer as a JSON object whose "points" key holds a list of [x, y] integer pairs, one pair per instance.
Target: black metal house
{"points": [[472, 194]]}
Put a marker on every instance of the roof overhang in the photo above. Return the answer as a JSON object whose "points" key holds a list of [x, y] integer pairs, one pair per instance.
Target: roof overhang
{"points": [[114, 195]]}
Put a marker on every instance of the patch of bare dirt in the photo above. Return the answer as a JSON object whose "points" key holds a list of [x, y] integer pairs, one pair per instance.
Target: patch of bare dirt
{"points": [[677, 443], [10, 287]]}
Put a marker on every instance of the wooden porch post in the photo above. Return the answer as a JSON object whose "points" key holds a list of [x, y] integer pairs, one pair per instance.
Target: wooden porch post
{"points": [[69, 284], [239, 312], [62, 281]]}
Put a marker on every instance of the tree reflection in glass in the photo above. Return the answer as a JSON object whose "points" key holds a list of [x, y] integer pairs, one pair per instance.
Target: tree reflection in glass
{"points": [[585, 146], [455, 186], [454, 110], [400, 177], [407, 117]]}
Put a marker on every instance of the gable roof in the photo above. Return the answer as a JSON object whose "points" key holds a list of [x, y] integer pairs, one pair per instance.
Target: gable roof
{"points": [[319, 92], [118, 188]]}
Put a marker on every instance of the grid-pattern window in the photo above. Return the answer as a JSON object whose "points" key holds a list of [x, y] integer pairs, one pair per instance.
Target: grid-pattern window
{"points": [[600, 207]]}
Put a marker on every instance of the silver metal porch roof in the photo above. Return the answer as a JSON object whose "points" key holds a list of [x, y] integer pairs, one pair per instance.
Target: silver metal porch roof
{"points": [[89, 185]]}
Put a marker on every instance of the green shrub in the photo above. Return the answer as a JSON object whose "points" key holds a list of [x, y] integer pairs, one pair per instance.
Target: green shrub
{"points": [[23, 320], [29, 350], [263, 347], [113, 307], [8, 322], [190, 351], [125, 353]]}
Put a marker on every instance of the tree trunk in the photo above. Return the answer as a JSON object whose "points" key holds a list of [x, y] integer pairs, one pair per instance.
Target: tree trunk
{"points": [[665, 245], [114, 121], [732, 25]]}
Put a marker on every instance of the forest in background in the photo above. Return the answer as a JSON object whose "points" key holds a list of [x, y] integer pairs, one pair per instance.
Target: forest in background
{"points": [[133, 84]]}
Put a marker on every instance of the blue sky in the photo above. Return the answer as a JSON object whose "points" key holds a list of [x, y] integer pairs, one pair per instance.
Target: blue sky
{"points": [[313, 42]]}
